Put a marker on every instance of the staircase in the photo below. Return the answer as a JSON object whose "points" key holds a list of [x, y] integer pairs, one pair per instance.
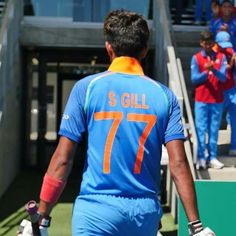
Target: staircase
{"points": [[2, 5], [187, 17], [187, 43], [229, 171]]}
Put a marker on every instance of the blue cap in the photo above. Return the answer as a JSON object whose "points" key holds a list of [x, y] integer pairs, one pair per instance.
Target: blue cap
{"points": [[223, 39]]}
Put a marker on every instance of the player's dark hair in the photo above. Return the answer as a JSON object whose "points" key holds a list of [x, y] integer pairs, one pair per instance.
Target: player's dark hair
{"points": [[127, 32], [206, 36]]}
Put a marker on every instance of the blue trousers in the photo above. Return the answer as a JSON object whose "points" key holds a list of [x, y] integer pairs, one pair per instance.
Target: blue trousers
{"points": [[230, 107], [107, 215], [208, 120], [199, 10]]}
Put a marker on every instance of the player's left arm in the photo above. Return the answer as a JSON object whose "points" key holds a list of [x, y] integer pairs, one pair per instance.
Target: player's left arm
{"points": [[179, 167], [181, 175], [56, 176]]}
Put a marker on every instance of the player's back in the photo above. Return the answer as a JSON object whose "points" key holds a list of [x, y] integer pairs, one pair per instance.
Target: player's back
{"points": [[127, 117]]}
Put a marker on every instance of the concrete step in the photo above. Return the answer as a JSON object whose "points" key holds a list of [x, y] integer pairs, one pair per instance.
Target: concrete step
{"points": [[224, 136], [188, 50], [229, 161], [224, 140], [225, 174], [187, 36], [187, 17]]}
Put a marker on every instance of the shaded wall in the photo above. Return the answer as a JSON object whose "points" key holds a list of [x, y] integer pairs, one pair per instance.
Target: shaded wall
{"points": [[10, 94]]}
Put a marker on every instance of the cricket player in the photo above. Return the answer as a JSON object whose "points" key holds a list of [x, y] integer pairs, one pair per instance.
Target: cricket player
{"points": [[126, 117]]}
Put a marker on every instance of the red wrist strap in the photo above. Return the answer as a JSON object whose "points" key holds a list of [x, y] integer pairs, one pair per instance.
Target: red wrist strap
{"points": [[51, 189]]}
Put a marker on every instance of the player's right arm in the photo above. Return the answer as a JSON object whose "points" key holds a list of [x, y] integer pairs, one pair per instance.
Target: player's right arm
{"points": [[53, 184], [56, 175], [197, 77]]}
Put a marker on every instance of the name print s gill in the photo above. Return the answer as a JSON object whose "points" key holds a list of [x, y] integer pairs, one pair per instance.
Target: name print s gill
{"points": [[128, 100]]}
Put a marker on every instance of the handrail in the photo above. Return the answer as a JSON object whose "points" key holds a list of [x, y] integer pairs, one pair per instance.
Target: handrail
{"points": [[178, 86], [191, 126], [169, 70]]}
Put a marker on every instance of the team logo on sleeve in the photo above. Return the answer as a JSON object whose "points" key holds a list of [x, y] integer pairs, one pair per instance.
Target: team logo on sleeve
{"points": [[65, 117]]}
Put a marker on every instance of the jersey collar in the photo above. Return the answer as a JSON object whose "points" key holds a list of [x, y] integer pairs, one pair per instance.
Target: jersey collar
{"points": [[126, 65]]}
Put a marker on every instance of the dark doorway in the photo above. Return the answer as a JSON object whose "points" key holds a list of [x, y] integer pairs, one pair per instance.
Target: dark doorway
{"points": [[51, 74]]}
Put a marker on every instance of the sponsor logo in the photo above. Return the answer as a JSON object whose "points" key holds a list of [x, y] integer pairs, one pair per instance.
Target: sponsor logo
{"points": [[65, 117]]}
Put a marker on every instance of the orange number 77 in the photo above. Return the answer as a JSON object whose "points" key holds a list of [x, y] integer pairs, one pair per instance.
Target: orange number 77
{"points": [[117, 118]]}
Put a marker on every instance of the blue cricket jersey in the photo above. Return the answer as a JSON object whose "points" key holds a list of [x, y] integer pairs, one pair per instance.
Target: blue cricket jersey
{"points": [[127, 117]]}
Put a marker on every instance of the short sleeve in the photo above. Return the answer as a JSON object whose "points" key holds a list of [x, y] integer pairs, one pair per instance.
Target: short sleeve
{"points": [[73, 123], [174, 129]]}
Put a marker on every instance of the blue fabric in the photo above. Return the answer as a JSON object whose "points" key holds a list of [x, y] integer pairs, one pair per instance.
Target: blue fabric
{"points": [[207, 120], [199, 10], [215, 26], [125, 127], [230, 107], [223, 39], [114, 92], [105, 215], [197, 77]]}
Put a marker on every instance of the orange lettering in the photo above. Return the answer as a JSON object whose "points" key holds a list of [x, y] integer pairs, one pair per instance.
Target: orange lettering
{"points": [[144, 106], [112, 99], [125, 100], [134, 100], [150, 121], [136, 104], [116, 117]]}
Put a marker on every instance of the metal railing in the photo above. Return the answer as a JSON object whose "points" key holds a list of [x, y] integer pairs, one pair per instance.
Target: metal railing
{"points": [[169, 71]]}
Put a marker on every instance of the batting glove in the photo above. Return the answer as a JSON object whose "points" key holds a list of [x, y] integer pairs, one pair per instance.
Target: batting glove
{"points": [[196, 229], [25, 228]]}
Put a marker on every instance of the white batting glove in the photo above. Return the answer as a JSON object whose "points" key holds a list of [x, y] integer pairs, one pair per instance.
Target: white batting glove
{"points": [[25, 229], [196, 229], [205, 232]]}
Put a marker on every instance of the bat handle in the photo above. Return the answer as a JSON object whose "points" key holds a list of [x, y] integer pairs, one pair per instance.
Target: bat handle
{"points": [[32, 209]]}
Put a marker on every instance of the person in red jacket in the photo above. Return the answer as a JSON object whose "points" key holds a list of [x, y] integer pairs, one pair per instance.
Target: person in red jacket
{"points": [[208, 72]]}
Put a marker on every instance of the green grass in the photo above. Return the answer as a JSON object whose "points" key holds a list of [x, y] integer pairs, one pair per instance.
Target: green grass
{"points": [[27, 186], [169, 228], [61, 217]]}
